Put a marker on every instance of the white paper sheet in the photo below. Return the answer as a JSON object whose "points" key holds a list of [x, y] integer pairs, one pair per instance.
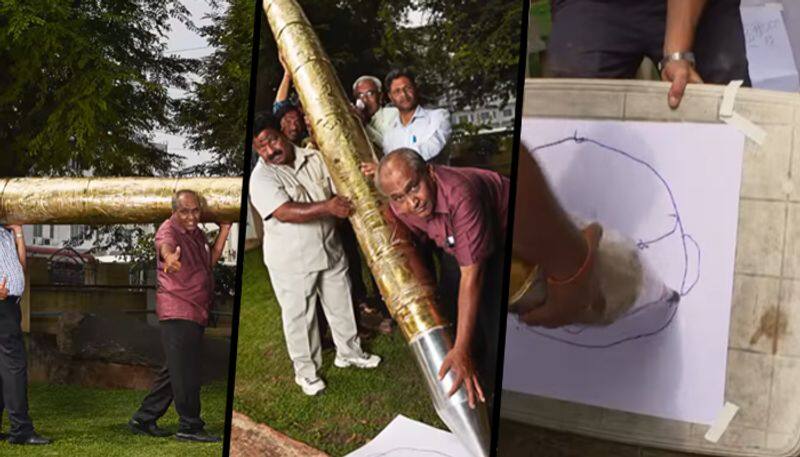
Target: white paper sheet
{"points": [[634, 177], [769, 54], [405, 437]]}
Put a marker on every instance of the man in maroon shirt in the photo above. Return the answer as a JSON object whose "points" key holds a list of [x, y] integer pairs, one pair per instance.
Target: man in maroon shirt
{"points": [[184, 296], [463, 211]]}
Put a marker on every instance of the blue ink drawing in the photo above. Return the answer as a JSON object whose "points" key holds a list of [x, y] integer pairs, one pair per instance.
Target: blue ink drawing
{"points": [[601, 336]]}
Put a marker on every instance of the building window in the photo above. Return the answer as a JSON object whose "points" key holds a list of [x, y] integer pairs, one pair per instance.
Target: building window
{"points": [[37, 231], [485, 116], [463, 119]]}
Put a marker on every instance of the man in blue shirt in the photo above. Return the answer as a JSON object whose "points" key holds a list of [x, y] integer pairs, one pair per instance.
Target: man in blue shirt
{"points": [[424, 130], [13, 363]]}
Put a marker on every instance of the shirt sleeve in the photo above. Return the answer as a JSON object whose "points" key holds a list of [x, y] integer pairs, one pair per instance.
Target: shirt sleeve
{"points": [[277, 106], [165, 236], [267, 193], [431, 146], [472, 229]]}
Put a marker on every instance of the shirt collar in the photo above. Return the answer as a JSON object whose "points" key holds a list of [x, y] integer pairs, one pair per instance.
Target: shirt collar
{"points": [[301, 156], [419, 113]]}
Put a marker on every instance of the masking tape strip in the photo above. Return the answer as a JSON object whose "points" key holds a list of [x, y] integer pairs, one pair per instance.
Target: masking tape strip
{"points": [[730, 117], [722, 421], [752, 131], [729, 97], [775, 5]]}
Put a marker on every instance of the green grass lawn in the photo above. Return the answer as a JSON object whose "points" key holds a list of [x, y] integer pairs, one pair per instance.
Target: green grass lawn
{"points": [[92, 422], [357, 403]]}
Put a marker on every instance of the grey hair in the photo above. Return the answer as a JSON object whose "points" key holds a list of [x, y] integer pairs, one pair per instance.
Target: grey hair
{"points": [[181, 192], [367, 78], [409, 156]]}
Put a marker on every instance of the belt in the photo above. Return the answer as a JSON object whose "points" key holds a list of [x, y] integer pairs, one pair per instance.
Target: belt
{"points": [[13, 299]]}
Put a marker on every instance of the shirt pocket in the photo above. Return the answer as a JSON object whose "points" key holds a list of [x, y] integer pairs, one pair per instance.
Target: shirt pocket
{"points": [[296, 192]]}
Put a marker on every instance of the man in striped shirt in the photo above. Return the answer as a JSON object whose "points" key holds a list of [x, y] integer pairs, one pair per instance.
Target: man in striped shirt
{"points": [[13, 363]]}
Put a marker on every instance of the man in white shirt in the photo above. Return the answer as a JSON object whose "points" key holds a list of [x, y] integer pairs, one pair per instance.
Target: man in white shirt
{"points": [[367, 95], [424, 130], [291, 189]]}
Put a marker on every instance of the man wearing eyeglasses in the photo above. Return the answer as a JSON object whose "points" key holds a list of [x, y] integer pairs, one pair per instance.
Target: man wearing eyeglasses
{"points": [[292, 190], [376, 117], [463, 211], [183, 301], [424, 130]]}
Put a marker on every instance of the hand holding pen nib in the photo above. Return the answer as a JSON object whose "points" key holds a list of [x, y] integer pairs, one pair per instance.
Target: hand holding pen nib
{"points": [[564, 275], [545, 237]]}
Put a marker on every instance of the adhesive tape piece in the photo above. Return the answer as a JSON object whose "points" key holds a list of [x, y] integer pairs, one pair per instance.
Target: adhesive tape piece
{"points": [[729, 98], [752, 131], [722, 421]]}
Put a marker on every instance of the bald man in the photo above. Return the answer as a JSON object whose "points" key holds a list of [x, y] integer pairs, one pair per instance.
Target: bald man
{"points": [[183, 302], [463, 211]]}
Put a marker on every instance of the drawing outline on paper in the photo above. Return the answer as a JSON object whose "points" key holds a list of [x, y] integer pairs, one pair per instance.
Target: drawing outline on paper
{"points": [[672, 302], [679, 374]]}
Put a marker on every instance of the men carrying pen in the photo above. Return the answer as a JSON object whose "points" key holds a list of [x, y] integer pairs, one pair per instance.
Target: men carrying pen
{"points": [[291, 189], [184, 296], [463, 211]]}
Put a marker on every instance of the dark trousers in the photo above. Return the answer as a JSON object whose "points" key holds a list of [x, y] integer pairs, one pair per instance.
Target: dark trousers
{"points": [[485, 341], [179, 379], [14, 370], [609, 39]]}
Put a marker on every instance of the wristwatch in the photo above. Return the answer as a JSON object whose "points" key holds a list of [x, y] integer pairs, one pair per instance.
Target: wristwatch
{"points": [[687, 56]]}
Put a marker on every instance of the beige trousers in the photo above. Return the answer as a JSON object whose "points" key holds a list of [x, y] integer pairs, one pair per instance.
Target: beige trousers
{"points": [[297, 296]]}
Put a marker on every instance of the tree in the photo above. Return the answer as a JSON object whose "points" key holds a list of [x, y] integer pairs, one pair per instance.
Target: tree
{"points": [[467, 52], [83, 83], [214, 115], [471, 48]]}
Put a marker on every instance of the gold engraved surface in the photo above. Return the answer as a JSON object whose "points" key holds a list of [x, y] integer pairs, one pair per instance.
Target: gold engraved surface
{"points": [[112, 200], [344, 145]]}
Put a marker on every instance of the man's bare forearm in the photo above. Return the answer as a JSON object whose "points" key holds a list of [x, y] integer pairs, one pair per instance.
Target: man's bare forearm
{"points": [[283, 89], [219, 243], [469, 297], [22, 252], [544, 235], [301, 212], [166, 250], [682, 19]]}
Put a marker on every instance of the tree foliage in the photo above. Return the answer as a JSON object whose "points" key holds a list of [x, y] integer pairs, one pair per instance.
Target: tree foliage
{"points": [[83, 83], [214, 116], [467, 51]]}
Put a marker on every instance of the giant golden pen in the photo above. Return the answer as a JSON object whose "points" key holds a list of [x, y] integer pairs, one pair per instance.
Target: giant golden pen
{"points": [[344, 145]]}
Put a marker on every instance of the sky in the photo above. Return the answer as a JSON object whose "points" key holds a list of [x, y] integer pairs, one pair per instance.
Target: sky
{"points": [[186, 43]]}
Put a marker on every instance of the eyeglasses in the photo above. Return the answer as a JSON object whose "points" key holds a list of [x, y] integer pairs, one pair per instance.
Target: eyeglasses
{"points": [[369, 93]]}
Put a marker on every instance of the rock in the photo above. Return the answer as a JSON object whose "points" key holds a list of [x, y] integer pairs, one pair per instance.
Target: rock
{"points": [[251, 439]]}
